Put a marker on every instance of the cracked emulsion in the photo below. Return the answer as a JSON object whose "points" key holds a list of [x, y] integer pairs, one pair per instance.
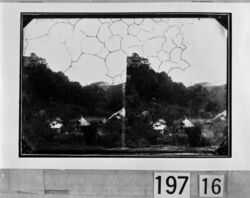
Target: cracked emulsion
{"points": [[161, 40]]}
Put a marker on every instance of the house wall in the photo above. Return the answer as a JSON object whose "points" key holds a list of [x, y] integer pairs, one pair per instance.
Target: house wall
{"points": [[21, 183]]}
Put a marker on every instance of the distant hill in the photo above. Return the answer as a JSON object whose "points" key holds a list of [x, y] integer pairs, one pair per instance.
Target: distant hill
{"points": [[107, 87], [44, 89], [217, 93]]}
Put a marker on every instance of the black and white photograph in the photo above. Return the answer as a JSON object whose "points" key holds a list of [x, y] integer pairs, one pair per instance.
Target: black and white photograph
{"points": [[125, 85]]}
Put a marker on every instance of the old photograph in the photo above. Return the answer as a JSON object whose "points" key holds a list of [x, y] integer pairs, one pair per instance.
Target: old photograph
{"points": [[125, 85]]}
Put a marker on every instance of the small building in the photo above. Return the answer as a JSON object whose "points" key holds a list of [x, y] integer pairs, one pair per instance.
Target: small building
{"points": [[187, 123], [79, 125], [181, 124], [83, 122], [160, 126], [220, 117], [56, 124], [117, 115], [95, 120]]}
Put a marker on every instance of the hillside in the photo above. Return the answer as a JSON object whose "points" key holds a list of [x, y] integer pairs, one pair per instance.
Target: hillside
{"points": [[47, 95], [149, 96], [217, 94]]}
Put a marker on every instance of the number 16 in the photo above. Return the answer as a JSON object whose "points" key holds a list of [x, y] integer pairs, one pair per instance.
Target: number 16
{"points": [[211, 185]]}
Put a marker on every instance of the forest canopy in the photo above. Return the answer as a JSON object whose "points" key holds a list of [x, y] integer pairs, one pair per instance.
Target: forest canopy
{"points": [[149, 96], [145, 86]]}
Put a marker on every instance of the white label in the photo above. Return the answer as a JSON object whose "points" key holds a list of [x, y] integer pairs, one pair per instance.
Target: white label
{"points": [[211, 185], [171, 185]]}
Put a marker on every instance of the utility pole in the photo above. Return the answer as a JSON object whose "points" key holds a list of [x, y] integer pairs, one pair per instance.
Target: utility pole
{"points": [[123, 133]]}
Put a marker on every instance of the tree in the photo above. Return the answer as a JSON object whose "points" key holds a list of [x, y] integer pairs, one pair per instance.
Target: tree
{"points": [[198, 98], [194, 136], [53, 93], [212, 107]]}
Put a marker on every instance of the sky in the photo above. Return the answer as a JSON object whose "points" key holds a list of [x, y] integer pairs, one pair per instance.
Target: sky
{"points": [[92, 50]]}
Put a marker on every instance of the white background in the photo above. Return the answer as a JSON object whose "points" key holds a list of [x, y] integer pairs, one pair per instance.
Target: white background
{"points": [[9, 90]]}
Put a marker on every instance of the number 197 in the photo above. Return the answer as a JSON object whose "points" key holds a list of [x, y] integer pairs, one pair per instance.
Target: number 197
{"points": [[171, 184]]}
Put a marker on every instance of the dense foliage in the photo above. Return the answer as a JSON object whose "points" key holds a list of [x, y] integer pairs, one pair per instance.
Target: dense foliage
{"points": [[149, 96], [145, 87], [50, 87], [156, 93], [47, 95]]}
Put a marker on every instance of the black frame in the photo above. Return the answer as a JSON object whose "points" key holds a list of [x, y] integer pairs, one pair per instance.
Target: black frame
{"points": [[224, 18]]}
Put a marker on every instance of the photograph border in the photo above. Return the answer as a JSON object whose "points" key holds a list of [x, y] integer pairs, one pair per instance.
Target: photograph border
{"points": [[31, 15]]}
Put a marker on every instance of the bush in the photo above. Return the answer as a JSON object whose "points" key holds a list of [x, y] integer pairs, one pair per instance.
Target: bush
{"points": [[38, 131], [194, 136], [152, 136], [109, 141], [90, 135], [205, 141], [182, 139], [142, 143]]}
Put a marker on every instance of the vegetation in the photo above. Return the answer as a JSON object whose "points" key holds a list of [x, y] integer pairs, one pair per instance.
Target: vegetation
{"points": [[164, 99], [47, 95], [150, 96]]}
